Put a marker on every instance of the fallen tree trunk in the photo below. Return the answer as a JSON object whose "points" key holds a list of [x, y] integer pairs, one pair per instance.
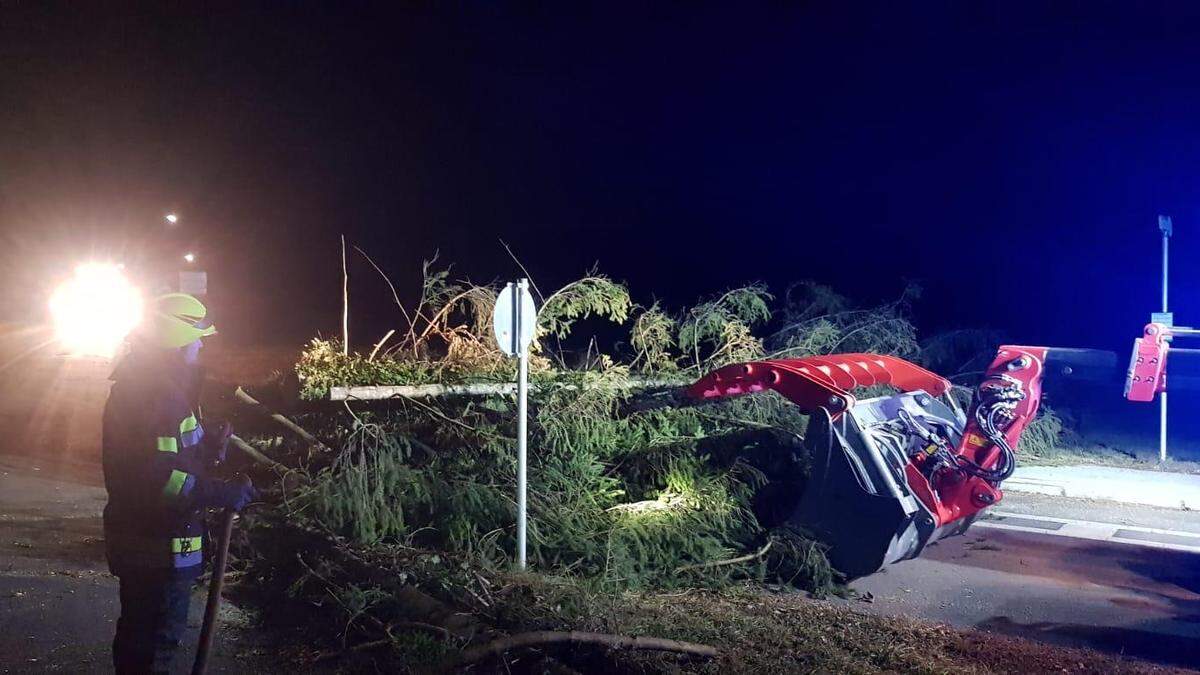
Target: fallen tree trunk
{"points": [[731, 561], [545, 637], [379, 392]]}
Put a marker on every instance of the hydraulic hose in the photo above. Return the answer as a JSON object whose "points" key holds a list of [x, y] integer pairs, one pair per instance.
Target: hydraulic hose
{"points": [[998, 398]]}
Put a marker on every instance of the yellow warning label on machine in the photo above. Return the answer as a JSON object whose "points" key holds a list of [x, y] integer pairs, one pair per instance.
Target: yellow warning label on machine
{"points": [[976, 441]]}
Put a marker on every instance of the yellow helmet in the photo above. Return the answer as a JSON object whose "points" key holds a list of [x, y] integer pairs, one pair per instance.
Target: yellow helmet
{"points": [[177, 319]]}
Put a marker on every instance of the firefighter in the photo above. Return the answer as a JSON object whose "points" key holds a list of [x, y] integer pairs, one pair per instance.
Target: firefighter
{"points": [[156, 461]]}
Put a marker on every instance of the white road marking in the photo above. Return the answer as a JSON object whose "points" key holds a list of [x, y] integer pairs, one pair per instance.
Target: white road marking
{"points": [[1108, 532]]}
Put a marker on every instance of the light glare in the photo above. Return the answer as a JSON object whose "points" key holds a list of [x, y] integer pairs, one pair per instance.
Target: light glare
{"points": [[190, 257], [95, 309], [172, 218]]}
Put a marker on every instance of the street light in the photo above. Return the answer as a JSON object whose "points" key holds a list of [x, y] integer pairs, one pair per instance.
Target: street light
{"points": [[172, 218], [189, 257]]}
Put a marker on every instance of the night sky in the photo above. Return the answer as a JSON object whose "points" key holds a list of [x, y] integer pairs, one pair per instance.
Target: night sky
{"points": [[1012, 157]]}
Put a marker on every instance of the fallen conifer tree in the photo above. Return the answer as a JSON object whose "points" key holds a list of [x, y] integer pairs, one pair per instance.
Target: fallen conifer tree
{"points": [[404, 518]]}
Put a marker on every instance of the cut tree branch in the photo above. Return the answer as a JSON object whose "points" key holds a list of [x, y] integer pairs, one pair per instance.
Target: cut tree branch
{"points": [[379, 344], [721, 563], [345, 302], [292, 426], [251, 452], [395, 296], [547, 637]]}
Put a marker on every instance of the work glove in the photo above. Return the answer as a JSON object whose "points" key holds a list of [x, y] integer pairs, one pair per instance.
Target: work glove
{"points": [[230, 494], [215, 446]]}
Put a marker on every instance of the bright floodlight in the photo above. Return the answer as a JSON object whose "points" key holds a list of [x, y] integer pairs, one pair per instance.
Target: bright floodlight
{"points": [[94, 310], [172, 218], [190, 257]]}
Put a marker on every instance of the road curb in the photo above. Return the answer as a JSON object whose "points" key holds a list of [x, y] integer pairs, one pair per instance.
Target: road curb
{"points": [[1160, 489], [1146, 537]]}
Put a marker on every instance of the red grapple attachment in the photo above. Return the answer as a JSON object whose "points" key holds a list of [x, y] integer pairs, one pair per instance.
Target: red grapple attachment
{"points": [[893, 473], [817, 382]]}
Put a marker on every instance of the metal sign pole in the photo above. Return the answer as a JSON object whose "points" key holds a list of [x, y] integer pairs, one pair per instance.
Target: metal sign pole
{"points": [[522, 409], [515, 322], [1164, 225]]}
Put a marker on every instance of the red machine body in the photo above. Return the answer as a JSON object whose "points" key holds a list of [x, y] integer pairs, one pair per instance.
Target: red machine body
{"points": [[953, 464], [1016, 375]]}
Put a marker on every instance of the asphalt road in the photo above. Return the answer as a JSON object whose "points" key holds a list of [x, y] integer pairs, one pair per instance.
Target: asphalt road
{"points": [[1114, 597], [57, 602], [50, 405]]}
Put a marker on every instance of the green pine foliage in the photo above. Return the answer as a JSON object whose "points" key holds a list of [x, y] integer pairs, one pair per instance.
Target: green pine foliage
{"points": [[720, 331], [322, 365], [616, 498], [652, 338], [593, 295], [1043, 435]]}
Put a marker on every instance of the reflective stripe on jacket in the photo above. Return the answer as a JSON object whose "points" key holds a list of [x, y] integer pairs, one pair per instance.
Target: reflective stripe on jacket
{"points": [[152, 462]]}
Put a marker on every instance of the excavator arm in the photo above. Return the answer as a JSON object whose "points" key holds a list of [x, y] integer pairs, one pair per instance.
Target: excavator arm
{"points": [[893, 473]]}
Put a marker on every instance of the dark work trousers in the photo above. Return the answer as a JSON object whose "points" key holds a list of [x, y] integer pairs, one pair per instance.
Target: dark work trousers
{"points": [[154, 610]]}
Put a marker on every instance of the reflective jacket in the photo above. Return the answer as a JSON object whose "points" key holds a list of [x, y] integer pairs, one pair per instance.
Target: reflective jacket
{"points": [[152, 462]]}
